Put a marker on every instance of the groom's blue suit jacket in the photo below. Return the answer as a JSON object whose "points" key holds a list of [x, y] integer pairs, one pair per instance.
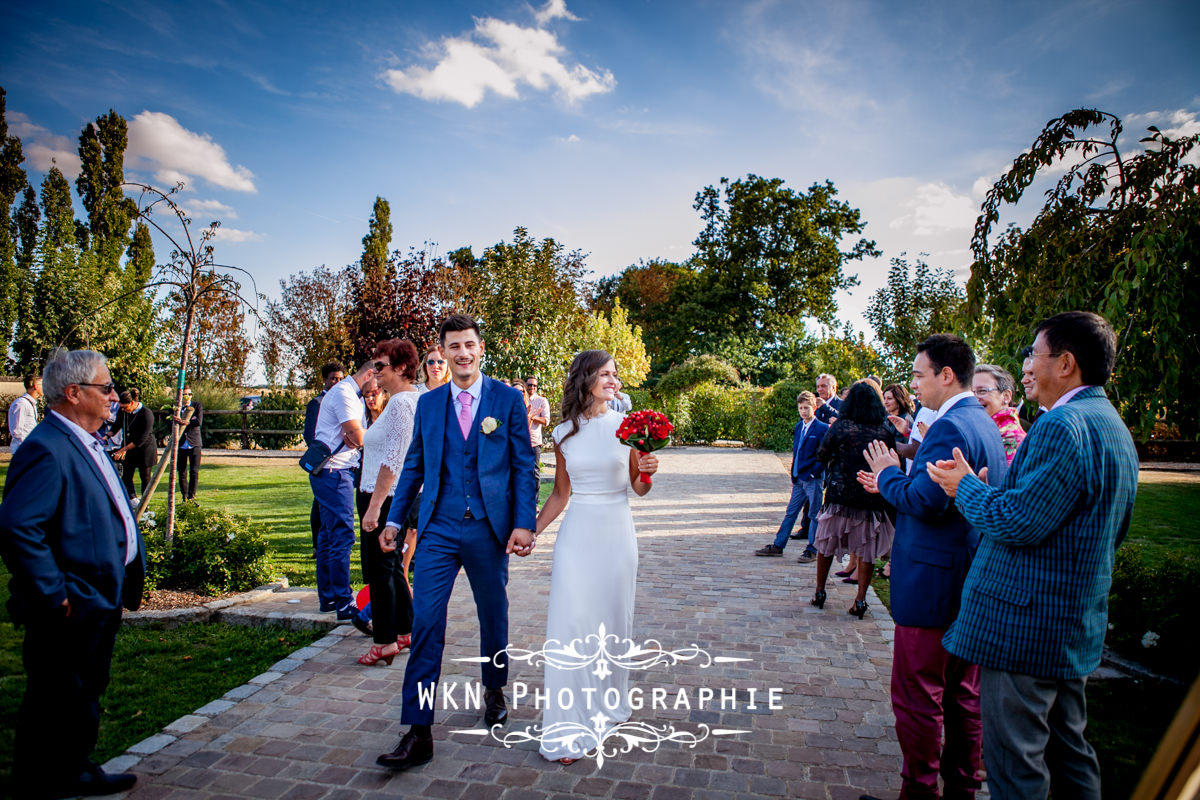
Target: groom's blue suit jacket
{"points": [[504, 458]]}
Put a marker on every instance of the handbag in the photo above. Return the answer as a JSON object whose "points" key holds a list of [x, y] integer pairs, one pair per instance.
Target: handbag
{"points": [[317, 456]]}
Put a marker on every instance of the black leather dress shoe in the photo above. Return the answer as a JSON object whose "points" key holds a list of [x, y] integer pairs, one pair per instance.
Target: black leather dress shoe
{"points": [[495, 711], [94, 782], [413, 751]]}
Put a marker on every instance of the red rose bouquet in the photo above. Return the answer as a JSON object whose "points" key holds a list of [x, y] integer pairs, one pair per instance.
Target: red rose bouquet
{"points": [[645, 431]]}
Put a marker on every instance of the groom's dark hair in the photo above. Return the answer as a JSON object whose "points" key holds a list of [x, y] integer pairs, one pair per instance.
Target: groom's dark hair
{"points": [[458, 322]]}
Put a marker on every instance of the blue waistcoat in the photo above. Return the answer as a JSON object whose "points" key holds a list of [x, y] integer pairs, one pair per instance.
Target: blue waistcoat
{"points": [[460, 489]]}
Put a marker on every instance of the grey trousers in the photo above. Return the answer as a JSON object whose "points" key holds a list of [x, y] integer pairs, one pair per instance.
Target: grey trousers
{"points": [[1033, 738]]}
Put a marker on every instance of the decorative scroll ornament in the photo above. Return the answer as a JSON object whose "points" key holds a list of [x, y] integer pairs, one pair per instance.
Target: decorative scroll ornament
{"points": [[602, 740], [602, 651]]}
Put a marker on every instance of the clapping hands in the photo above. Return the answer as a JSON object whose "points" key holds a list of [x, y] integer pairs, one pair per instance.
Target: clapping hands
{"points": [[879, 457]]}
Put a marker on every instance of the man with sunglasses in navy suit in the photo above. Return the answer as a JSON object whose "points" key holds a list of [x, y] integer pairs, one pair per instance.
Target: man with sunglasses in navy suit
{"points": [[68, 537]]}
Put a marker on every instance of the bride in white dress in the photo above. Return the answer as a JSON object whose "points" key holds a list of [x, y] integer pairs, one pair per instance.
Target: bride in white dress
{"points": [[594, 576]]}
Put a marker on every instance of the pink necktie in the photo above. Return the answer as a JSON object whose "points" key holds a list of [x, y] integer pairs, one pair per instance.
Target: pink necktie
{"points": [[464, 413]]}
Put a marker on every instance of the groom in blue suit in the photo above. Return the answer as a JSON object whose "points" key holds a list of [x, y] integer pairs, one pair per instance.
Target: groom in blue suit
{"points": [[470, 451], [934, 692]]}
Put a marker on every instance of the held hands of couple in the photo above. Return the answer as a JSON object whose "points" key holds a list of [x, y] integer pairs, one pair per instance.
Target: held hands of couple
{"points": [[948, 474], [521, 542]]}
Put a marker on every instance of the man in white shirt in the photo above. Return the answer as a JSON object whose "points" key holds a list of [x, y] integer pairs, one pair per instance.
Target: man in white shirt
{"points": [[539, 415], [22, 413], [340, 428]]}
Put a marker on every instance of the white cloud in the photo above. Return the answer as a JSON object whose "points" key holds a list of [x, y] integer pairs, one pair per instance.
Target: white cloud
{"points": [[42, 148], [554, 9], [215, 208], [500, 56], [1174, 124], [233, 235], [935, 208], [158, 142]]}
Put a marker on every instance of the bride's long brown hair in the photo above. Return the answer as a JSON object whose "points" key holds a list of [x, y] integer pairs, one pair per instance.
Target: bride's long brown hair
{"points": [[577, 389]]}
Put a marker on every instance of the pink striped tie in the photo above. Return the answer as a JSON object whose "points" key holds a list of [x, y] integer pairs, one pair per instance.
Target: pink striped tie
{"points": [[464, 413]]}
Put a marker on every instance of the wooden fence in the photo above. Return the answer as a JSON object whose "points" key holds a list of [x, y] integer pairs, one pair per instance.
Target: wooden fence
{"points": [[246, 431]]}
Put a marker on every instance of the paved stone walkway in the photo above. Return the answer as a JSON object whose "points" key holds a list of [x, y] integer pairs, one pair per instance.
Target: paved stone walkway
{"points": [[312, 726]]}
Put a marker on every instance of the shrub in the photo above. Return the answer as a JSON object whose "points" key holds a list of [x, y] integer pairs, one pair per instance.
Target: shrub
{"points": [[695, 371], [286, 400], [775, 416], [1150, 607], [720, 412], [213, 552]]}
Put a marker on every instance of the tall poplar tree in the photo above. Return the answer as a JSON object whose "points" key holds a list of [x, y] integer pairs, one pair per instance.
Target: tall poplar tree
{"points": [[12, 181], [101, 177], [377, 241]]}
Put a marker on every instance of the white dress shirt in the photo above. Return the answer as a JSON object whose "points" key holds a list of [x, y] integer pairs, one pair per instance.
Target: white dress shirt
{"points": [[22, 418]]}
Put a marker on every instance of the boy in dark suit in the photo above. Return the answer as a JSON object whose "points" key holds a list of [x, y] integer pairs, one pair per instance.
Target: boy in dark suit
{"points": [[807, 474]]}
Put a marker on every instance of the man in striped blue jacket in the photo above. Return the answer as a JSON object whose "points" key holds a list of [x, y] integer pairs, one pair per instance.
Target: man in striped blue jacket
{"points": [[1035, 604]]}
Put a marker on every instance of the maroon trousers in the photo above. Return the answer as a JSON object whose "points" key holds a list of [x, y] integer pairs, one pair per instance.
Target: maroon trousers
{"points": [[933, 693]]}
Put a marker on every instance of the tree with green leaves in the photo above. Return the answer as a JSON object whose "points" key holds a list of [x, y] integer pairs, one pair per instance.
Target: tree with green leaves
{"points": [[1118, 234], [651, 292], [12, 181], [101, 188], [378, 241], [767, 256], [612, 331], [528, 295], [916, 302]]}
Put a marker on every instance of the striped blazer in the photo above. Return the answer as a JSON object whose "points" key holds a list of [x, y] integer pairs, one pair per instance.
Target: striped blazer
{"points": [[1035, 600]]}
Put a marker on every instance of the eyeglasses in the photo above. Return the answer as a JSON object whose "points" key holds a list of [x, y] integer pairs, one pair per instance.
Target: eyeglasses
{"points": [[379, 365], [105, 388], [983, 392], [433, 361]]}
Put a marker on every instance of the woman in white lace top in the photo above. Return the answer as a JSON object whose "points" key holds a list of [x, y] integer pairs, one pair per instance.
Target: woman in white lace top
{"points": [[385, 444]]}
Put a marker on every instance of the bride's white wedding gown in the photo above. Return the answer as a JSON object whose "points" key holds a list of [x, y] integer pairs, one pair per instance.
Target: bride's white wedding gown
{"points": [[592, 583]]}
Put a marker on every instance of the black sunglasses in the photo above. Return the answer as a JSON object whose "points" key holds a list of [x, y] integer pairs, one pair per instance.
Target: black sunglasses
{"points": [[379, 365], [431, 361], [105, 388]]}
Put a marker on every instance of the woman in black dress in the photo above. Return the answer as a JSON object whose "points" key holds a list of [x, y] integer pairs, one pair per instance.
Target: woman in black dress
{"points": [[852, 520], [138, 451]]}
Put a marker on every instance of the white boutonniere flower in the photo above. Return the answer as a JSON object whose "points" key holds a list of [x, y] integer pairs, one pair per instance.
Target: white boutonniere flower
{"points": [[488, 425]]}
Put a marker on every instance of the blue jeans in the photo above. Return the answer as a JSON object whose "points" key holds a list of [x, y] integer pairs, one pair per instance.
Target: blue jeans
{"points": [[802, 490], [334, 492]]}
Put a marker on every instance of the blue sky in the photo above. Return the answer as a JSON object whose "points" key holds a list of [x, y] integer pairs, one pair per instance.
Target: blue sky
{"points": [[592, 122]]}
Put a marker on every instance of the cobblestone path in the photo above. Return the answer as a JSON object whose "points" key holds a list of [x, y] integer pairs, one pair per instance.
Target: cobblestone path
{"points": [[312, 727]]}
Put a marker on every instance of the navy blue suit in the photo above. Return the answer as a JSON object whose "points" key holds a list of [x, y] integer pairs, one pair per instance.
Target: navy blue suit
{"points": [[805, 464], [476, 491], [807, 473], [62, 537], [935, 695]]}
